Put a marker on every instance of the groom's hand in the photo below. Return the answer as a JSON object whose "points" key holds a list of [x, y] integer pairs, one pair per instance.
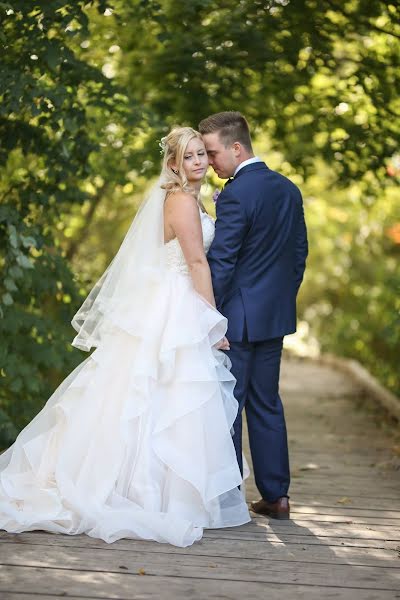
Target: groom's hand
{"points": [[223, 344]]}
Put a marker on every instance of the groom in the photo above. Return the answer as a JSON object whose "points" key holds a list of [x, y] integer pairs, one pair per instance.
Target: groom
{"points": [[257, 261]]}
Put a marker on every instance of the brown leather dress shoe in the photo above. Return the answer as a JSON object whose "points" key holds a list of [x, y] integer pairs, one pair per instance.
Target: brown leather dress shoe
{"points": [[276, 510]]}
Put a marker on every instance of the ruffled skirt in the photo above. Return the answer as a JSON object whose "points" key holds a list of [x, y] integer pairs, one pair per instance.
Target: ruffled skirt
{"points": [[136, 442]]}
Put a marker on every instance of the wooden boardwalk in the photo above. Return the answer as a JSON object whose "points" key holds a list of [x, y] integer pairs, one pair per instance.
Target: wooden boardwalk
{"points": [[343, 541]]}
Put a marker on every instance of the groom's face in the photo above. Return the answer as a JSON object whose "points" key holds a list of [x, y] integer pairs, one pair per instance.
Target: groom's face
{"points": [[222, 158]]}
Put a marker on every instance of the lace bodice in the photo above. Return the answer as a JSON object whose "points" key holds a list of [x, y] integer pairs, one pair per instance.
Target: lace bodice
{"points": [[175, 258]]}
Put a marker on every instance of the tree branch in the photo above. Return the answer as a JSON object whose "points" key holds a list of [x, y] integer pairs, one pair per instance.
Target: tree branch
{"points": [[76, 242]]}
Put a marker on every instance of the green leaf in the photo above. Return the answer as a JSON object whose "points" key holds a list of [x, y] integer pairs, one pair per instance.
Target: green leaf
{"points": [[7, 299], [16, 384], [28, 241], [16, 272], [24, 261], [12, 232], [10, 285], [52, 57]]}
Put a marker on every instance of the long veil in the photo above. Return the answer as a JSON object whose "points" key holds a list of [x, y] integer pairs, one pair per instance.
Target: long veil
{"points": [[138, 263]]}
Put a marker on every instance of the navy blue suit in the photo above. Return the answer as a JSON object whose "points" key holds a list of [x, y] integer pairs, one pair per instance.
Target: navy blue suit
{"points": [[257, 262]]}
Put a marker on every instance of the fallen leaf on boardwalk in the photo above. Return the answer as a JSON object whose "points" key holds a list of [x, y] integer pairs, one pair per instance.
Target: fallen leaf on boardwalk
{"points": [[344, 500], [122, 567], [309, 467], [141, 572], [396, 450]]}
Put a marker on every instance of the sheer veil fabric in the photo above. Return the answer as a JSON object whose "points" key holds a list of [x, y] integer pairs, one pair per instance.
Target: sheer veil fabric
{"points": [[136, 441], [139, 262]]}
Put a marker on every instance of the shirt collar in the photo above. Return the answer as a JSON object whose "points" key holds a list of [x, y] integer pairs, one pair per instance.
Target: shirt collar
{"points": [[249, 161]]}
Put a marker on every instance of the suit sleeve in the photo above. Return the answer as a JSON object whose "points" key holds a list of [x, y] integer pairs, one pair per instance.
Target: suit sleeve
{"points": [[230, 230], [301, 245]]}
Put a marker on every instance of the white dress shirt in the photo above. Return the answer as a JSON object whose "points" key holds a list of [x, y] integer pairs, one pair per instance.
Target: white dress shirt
{"points": [[249, 161]]}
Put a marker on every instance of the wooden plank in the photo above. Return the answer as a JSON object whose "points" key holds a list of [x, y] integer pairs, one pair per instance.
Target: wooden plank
{"points": [[303, 517], [303, 534], [289, 540], [375, 484], [175, 589], [340, 490], [261, 524], [266, 532], [345, 478], [317, 534], [110, 559], [326, 496], [305, 454], [309, 462], [349, 528], [315, 465], [352, 502], [16, 579], [343, 510]]}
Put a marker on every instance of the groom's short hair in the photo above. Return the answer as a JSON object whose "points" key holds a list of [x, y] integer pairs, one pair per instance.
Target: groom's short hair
{"points": [[230, 125]]}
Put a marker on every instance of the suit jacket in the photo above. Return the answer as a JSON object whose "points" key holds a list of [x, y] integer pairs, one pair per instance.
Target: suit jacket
{"points": [[258, 255]]}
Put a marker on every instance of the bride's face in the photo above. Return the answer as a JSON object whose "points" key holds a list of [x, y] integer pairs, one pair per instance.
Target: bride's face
{"points": [[195, 160]]}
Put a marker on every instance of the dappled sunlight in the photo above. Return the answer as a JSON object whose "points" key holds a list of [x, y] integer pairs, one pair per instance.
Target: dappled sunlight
{"points": [[302, 343], [273, 538]]}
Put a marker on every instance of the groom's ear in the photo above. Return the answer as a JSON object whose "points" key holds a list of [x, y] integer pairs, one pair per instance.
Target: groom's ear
{"points": [[237, 148]]}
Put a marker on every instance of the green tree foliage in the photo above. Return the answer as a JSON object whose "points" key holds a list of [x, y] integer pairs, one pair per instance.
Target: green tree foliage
{"points": [[50, 104], [351, 297], [321, 78]]}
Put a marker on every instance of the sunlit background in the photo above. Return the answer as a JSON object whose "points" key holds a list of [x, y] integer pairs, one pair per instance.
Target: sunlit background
{"points": [[87, 91]]}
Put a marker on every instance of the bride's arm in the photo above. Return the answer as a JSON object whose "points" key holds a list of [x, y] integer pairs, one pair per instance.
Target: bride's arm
{"points": [[182, 214]]}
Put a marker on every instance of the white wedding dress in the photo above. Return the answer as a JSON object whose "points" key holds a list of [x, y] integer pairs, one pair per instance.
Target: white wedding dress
{"points": [[136, 442]]}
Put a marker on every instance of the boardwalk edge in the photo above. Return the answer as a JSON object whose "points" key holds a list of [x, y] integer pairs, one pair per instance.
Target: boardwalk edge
{"points": [[369, 384]]}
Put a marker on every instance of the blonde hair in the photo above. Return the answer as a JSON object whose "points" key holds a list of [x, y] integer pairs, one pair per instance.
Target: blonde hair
{"points": [[174, 146]]}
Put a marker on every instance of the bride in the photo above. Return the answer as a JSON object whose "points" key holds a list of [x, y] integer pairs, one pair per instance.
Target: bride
{"points": [[137, 441]]}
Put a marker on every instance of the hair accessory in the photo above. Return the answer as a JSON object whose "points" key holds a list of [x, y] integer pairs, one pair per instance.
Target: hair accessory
{"points": [[163, 145]]}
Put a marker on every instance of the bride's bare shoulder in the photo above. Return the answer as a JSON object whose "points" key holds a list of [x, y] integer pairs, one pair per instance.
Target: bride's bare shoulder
{"points": [[180, 200]]}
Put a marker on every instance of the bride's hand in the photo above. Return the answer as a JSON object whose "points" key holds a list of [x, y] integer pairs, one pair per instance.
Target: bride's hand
{"points": [[223, 344]]}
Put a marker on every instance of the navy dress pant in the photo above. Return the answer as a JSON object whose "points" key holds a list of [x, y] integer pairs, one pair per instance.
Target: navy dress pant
{"points": [[256, 366]]}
